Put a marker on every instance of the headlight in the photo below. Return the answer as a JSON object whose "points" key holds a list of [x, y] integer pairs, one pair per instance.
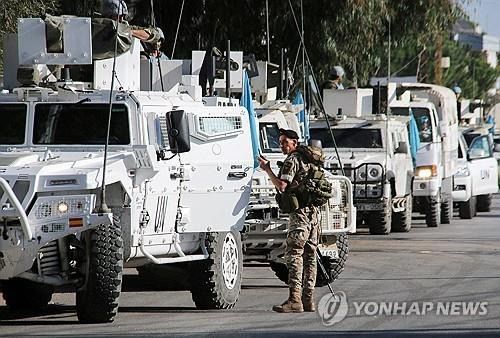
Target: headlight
{"points": [[426, 171], [463, 171], [62, 206], [369, 173]]}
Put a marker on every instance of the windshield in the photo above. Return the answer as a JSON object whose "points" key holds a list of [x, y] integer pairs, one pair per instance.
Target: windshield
{"points": [[423, 119], [269, 137], [349, 137], [400, 111], [13, 132], [80, 124]]}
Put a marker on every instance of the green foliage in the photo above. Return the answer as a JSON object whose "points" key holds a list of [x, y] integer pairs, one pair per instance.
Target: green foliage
{"points": [[352, 33]]}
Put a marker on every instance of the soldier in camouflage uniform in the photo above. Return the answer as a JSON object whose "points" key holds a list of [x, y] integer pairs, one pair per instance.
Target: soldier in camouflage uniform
{"points": [[302, 236]]}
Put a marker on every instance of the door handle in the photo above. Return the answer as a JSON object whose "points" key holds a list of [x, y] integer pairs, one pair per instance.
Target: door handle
{"points": [[237, 174]]}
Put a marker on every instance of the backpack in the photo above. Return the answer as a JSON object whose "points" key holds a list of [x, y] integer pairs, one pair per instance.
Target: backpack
{"points": [[315, 189]]}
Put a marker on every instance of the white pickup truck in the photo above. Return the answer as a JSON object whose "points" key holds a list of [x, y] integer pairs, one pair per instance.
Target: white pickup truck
{"points": [[477, 176]]}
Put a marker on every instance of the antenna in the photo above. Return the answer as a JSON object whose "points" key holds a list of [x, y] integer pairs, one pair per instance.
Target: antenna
{"points": [[103, 208], [320, 99], [388, 109], [303, 65]]}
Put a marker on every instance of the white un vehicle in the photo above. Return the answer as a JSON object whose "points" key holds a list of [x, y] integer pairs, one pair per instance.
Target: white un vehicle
{"points": [[177, 179], [375, 155]]}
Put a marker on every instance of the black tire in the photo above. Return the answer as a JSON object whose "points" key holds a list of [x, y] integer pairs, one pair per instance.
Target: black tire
{"points": [[447, 211], [467, 210], [333, 267], [401, 221], [97, 300], [484, 203], [24, 295], [211, 288], [432, 207], [380, 221]]}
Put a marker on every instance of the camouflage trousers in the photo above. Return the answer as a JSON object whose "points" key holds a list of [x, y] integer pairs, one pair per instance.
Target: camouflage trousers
{"points": [[301, 244]]}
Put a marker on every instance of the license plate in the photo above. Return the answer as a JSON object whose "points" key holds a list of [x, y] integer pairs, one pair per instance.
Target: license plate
{"points": [[369, 207], [332, 253]]}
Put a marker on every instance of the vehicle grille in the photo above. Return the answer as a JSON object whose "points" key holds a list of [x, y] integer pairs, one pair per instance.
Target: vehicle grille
{"points": [[334, 214]]}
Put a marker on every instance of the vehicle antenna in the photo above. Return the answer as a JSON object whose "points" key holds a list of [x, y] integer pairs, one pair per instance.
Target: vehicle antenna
{"points": [[303, 68], [388, 109], [315, 83], [103, 207], [177, 31]]}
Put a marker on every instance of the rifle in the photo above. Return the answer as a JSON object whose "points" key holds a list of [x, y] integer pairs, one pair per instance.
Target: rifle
{"points": [[319, 259]]}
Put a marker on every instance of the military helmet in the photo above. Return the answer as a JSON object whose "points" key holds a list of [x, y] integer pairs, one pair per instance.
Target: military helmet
{"points": [[336, 72], [111, 8]]}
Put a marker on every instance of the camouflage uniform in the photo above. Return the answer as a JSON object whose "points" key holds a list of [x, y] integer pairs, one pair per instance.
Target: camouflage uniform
{"points": [[302, 237]]}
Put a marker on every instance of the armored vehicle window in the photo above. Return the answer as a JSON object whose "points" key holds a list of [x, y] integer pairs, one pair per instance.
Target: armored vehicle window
{"points": [[423, 119], [80, 124], [469, 137], [400, 111], [14, 131], [269, 137], [349, 137]]}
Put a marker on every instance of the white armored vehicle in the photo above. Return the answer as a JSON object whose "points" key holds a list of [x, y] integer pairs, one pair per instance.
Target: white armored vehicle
{"points": [[266, 226], [375, 155], [177, 177]]}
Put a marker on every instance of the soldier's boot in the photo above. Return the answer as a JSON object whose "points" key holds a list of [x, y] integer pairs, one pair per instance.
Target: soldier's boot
{"points": [[292, 304], [308, 300]]}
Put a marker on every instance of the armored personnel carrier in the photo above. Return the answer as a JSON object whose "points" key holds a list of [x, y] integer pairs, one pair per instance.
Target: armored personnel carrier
{"points": [[176, 173]]}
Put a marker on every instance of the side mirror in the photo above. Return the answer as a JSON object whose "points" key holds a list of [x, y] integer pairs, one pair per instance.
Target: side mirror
{"points": [[402, 148], [497, 148], [178, 131]]}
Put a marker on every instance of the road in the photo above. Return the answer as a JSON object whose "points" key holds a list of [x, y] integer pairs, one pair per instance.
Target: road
{"points": [[459, 262]]}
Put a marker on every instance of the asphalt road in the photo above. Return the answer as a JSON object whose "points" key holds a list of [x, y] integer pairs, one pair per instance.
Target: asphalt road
{"points": [[429, 267]]}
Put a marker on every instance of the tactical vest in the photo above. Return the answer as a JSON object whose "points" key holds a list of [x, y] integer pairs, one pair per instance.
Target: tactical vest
{"points": [[313, 190]]}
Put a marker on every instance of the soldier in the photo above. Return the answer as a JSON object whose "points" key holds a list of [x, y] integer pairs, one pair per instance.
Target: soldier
{"points": [[302, 236], [335, 78], [118, 11]]}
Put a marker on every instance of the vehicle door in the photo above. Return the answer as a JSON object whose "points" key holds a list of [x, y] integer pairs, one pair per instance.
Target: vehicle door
{"points": [[403, 165], [484, 167], [217, 171]]}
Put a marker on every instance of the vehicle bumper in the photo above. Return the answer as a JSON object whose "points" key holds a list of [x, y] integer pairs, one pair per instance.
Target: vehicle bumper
{"points": [[462, 188], [426, 187], [23, 237]]}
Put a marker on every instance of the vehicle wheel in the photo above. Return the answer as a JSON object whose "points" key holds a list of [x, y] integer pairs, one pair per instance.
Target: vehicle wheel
{"points": [[447, 211], [280, 270], [484, 203], [401, 221], [24, 295], [379, 221], [216, 281], [433, 211], [97, 300], [334, 267], [467, 210]]}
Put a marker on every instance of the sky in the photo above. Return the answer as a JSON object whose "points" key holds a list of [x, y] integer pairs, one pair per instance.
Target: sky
{"points": [[486, 13]]}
